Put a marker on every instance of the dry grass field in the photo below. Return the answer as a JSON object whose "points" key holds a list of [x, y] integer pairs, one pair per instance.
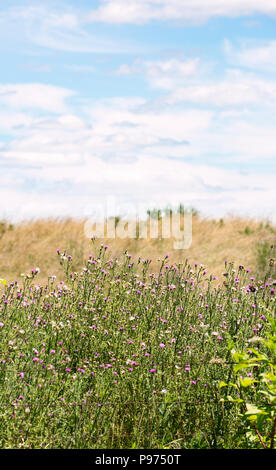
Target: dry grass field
{"points": [[32, 244]]}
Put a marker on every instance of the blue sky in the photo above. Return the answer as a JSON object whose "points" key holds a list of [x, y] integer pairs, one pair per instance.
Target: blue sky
{"points": [[147, 102]]}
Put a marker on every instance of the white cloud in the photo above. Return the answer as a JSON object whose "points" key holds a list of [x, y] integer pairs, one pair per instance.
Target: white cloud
{"points": [[163, 74], [11, 122], [109, 131], [260, 56], [124, 129], [78, 190], [131, 11], [70, 164], [236, 89], [59, 27], [35, 96]]}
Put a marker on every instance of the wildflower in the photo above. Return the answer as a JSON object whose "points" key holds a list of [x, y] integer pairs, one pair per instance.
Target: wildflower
{"points": [[161, 345], [152, 371]]}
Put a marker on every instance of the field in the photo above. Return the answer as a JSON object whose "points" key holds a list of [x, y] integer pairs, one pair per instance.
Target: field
{"points": [[33, 244], [129, 344]]}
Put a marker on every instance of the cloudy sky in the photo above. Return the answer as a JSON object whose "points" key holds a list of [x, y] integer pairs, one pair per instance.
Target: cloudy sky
{"points": [[145, 102]]}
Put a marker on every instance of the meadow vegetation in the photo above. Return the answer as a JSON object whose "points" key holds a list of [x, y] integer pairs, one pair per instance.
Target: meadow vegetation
{"points": [[118, 349], [33, 243]]}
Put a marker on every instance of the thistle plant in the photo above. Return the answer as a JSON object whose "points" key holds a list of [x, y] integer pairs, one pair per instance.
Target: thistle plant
{"points": [[118, 355], [255, 391]]}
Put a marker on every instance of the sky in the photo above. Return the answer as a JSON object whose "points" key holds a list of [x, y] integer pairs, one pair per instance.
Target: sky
{"points": [[123, 105]]}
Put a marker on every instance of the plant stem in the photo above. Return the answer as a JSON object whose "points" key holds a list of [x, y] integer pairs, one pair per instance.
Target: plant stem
{"points": [[272, 434]]}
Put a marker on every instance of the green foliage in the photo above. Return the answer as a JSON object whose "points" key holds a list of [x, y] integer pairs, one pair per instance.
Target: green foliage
{"points": [[266, 254], [248, 230], [159, 213], [117, 356], [5, 227], [256, 392]]}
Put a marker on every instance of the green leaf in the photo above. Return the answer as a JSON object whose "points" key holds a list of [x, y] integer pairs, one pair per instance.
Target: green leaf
{"points": [[239, 357], [253, 410], [230, 384], [223, 384], [244, 365], [247, 382], [241, 365], [236, 400]]}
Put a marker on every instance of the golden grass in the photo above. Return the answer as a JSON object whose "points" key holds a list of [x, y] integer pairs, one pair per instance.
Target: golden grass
{"points": [[33, 244]]}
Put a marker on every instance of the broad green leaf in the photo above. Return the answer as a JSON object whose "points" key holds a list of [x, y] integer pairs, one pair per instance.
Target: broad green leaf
{"points": [[253, 410], [270, 395], [236, 400], [239, 357], [247, 382], [243, 365]]}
